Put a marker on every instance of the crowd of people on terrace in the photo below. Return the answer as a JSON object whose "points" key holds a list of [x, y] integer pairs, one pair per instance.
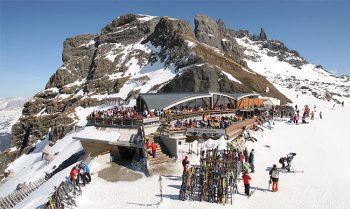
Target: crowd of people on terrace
{"points": [[207, 121], [186, 109], [116, 112], [131, 113]]}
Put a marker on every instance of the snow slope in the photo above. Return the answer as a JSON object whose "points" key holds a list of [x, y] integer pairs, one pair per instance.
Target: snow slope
{"points": [[31, 167], [318, 146], [324, 183]]}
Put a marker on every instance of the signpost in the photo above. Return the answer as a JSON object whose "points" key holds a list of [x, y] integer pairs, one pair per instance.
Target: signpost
{"points": [[160, 188]]}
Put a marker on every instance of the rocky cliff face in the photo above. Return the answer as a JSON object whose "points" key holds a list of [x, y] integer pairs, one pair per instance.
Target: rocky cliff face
{"points": [[275, 48], [215, 34], [136, 54]]}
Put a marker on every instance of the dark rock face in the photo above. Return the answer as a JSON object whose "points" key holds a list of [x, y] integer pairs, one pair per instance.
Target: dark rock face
{"points": [[284, 53], [216, 35], [262, 36], [171, 36], [202, 78]]}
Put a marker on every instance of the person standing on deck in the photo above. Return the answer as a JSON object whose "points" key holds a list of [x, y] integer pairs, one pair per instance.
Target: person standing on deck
{"points": [[154, 149]]}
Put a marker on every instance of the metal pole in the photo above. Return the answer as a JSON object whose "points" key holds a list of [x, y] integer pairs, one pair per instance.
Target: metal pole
{"points": [[160, 188]]}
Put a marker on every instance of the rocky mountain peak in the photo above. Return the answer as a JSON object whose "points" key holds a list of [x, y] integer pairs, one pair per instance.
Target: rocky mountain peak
{"points": [[215, 34], [262, 36], [136, 54]]}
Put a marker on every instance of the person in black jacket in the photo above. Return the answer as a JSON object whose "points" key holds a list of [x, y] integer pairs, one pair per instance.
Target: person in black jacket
{"points": [[245, 153], [251, 160]]}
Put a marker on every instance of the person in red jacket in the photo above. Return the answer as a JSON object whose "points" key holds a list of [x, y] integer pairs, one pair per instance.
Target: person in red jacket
{"points": [[74, 178], [154, 149], [74, 174], [185, 162], [246, 179]]}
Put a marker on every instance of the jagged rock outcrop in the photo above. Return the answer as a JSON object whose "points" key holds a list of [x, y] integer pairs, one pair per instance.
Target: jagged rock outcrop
{"points": [[262, 36], [215, 34], [283, 53], [276, 48]]}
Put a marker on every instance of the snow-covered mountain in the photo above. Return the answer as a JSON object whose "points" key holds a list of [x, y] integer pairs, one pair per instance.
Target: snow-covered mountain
{"points": [[10, 111], [139, 54]]}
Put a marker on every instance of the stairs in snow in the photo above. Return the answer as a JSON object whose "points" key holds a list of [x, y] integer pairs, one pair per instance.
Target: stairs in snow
{"points": [[163, 154]]}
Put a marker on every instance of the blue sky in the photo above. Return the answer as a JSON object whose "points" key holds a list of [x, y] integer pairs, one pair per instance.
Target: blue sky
{"points": [[32, 32]]}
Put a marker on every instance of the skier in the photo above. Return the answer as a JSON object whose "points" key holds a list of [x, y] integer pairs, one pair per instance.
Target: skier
{"points": [[320, 114], [241, 157], [185, 162], [342, 103], [297, 118], [290, 157], [246, 179], [274, 174], [245, 153], [315, 108], [245, 133], [74, 177], [82, 175], [154, 149], [303, 119], [251, 160], [87, 172], [282, 161], [312, 115]]}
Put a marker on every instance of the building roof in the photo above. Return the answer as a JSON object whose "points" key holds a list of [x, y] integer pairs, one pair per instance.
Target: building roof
{"points": [[168, 100]]}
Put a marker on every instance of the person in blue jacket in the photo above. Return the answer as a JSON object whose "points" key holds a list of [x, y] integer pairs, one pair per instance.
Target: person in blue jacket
{"points": [[87, 172]]}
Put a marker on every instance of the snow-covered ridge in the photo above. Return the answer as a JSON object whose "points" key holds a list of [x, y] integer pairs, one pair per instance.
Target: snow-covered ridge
{"points": [[311, 77]]}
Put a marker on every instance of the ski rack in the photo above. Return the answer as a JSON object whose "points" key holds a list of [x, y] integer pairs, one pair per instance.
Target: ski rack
{"points": [[214, 180]]}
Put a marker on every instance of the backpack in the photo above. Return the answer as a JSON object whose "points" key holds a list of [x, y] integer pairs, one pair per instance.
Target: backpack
{"points": [[275, 174]]}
